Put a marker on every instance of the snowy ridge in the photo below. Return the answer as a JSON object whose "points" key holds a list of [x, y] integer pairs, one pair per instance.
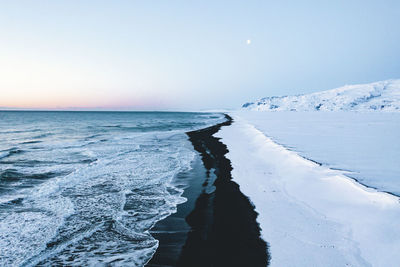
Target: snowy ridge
{"points": [[383, 96]]}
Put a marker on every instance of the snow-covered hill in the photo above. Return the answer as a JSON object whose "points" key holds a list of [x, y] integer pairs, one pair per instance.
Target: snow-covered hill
{"points": [[384, 96]]}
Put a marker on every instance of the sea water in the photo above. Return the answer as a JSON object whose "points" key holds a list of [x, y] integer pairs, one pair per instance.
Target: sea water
{"points": [[84, 188]]}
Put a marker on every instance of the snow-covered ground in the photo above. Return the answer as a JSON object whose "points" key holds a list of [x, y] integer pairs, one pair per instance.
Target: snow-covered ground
{"points": [[312, 215], [382, 96], [366, 145]]}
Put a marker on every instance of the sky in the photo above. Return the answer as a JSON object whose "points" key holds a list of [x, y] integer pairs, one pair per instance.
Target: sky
{"points": [[189, 55]]}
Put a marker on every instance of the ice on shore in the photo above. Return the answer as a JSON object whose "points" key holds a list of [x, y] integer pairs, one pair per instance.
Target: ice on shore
{"points": [[310, 214]]}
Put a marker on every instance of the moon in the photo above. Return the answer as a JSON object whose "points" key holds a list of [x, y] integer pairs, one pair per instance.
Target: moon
{"points": [[248, 42]]}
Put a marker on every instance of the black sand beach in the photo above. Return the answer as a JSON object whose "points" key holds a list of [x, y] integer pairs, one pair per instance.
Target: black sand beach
{"points": [[217, 225]]}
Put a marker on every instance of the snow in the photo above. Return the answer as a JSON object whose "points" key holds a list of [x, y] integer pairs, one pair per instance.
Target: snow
{"points": [[309, 214], [365, 145], [383, 96]]}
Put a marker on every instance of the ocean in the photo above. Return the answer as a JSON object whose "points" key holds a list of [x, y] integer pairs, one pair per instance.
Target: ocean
{"points": [[84, 188]]}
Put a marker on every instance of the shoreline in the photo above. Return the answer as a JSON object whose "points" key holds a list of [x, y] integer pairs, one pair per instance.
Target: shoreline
{"points": [[217, 224], [329, 219]]}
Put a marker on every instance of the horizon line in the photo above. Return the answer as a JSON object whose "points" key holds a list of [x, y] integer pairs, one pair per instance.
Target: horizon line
{"points": [[2, 109]]}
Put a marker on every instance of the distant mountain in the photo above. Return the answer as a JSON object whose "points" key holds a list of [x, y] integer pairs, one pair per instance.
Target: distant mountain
{"points": [[383, 96]]}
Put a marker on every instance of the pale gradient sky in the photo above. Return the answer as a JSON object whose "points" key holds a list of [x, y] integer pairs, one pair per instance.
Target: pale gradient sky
{"points": [[177, 55]]}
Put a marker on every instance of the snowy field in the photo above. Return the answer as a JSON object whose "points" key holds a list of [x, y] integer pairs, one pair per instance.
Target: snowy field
{"points": [[365, 145], [311, 214]]}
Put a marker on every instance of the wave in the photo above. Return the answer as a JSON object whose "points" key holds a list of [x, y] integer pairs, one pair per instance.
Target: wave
{"points": [[10, 175], [43, 135], [20, 131], [4, 154], [12, 180], [9, 152], [31, 142], [150, 127]]}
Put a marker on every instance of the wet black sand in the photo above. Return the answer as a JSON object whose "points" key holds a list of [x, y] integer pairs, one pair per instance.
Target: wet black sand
{"points": [[217, 225]]}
